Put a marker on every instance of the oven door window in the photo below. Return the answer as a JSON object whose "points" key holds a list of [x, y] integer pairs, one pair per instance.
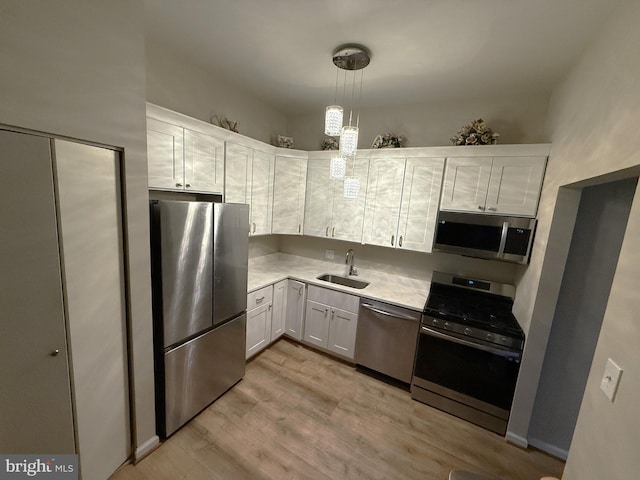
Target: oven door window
{"points": [[482, 375]]}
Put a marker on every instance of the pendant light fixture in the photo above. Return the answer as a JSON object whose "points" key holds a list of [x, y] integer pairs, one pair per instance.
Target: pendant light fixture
{"points": [[349, 57]]}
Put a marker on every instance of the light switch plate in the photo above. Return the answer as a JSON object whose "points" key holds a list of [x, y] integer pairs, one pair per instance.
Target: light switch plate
{"points": [[328, 254], [610, 379]]}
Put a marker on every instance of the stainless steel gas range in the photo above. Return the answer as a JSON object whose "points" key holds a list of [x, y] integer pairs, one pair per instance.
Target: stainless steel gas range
{"points": [[469, 350]]}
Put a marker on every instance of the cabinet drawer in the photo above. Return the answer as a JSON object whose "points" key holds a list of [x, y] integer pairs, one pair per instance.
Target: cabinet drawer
{"points": [[259, 297], [344, 301]]}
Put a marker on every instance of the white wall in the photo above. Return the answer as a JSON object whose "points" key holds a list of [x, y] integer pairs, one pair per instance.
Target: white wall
{"points": [[176, 83], [76, 69], [594, 118], [517, 119]]}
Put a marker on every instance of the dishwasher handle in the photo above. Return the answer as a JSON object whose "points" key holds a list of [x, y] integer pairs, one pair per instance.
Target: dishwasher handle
{"points": [[368, 306]]}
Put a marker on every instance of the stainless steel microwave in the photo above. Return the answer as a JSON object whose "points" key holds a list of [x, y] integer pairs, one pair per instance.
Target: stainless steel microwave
{"points": [[493, 237]]}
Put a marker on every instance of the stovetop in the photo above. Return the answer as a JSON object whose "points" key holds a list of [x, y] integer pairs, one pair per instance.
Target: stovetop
{"points": [[487, 313]]}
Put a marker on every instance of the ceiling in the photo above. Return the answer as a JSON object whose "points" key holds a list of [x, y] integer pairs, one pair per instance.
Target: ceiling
{"points": [[422, 51]]}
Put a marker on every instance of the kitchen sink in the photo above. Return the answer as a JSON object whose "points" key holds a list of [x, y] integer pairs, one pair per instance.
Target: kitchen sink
{"points": [[346, 281]]}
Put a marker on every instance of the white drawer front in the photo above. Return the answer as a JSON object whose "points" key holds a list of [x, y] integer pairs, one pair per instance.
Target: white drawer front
{"points": [[259, 297], [344, 301]]}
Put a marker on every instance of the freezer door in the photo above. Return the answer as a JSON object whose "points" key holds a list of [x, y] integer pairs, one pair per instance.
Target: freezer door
{"points": [[186, 243], [230, 253], [199, 371]]}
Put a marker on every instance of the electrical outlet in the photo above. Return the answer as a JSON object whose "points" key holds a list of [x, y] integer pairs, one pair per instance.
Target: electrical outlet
{"points": [[328, 254], [610, 379]]}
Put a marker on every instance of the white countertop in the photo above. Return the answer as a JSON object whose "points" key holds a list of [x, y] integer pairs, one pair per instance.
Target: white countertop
{"points": [[383, 286]]}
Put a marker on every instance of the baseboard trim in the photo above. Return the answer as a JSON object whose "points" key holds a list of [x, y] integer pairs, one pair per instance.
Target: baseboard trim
{"points": [[516, 440], [146, 448], [550, 449]]}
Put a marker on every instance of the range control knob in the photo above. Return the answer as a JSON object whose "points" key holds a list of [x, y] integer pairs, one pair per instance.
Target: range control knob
{"points": [[468, 331], [447, 326], [504, 340], [435, 322], [490, 337]]}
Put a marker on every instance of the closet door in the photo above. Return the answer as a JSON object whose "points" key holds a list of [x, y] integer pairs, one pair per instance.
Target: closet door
{"points": [[35, 398], [89, 208]]}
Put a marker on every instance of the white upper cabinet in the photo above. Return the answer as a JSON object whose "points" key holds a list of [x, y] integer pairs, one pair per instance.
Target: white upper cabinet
{"points": [[203, 162], [327, 212], [289, 187], [249, 179], [402, 202], [165, 155], [183, 154], [507, 185]]}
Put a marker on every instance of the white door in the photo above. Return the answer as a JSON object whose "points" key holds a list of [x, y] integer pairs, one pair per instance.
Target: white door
{"points": [[261, 199], [278, 315], [258, 329], [319, 199], [237, 173], [420, 197], [348, 213], [342, 332], [35, 397], [165, 155], [466, 180], [515, 185], [316, 324], [203, 162], [88, 187], [384, 195], [289, 187], [295, 309]]}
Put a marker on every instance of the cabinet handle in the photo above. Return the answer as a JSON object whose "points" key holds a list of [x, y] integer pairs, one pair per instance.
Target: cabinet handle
{"points": [[326, 233], [178, 184], [492, 209], [326, 312], [258, 300], [480, 207], [270, 307], [333, 232], [400, 241], [299, 228], [300, 291], [188, 185], [55, 353], [333, 314], [393, 239], [254, 227]]}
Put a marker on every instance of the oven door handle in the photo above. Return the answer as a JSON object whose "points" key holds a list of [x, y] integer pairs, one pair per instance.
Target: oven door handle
{"points": [[368, 306], [495, 350]]}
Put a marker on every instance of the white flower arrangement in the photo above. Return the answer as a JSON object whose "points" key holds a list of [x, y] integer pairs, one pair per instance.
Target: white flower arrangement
{"points": [[388, 140], [475, 133]]}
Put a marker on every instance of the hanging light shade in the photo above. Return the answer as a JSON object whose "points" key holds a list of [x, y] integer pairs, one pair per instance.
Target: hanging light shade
{"points": [[333, 121], [338, 168], [351, 187], [349, 141]]}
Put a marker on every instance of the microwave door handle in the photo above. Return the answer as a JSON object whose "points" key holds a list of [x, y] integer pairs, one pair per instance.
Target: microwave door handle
{"points": [[503, 239]]}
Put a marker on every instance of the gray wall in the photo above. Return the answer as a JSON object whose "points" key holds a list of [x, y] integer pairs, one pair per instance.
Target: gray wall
{"points": [[593, 256], [76, 69]]}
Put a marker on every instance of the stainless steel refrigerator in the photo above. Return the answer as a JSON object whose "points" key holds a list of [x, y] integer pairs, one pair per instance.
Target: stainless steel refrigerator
{"points": [[199, 273]]}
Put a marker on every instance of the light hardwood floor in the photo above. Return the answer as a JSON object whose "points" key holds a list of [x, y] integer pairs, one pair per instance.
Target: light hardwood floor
{"points": [[300, 414]]}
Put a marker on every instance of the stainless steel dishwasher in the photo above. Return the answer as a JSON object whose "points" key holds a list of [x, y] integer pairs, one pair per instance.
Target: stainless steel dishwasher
{"points": [[386, 338]]}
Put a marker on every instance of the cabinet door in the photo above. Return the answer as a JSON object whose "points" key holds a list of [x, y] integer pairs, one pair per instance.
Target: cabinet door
{"points": [[466, 180], [237, 173], [35, 403], [316, 324], [319, 198], [348, 213], [203, 162], [258, 329], [419, 209], [342, 332], [165, 155], [289, 186], [261, 199], [279, 309], [384, 195], [515, 185], [295, 309]]}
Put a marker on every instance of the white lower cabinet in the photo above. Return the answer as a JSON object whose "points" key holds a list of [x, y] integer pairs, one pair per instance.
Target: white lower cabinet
{"points": [[259, 312], [279, 309], [296, 296], [331, 320]]}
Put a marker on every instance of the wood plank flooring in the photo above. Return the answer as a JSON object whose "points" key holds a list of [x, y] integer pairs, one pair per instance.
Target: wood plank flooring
{"points": [[299, 414]]}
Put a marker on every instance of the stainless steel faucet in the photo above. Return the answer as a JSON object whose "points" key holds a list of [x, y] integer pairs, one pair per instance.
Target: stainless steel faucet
{"points": [[349, 259]]}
